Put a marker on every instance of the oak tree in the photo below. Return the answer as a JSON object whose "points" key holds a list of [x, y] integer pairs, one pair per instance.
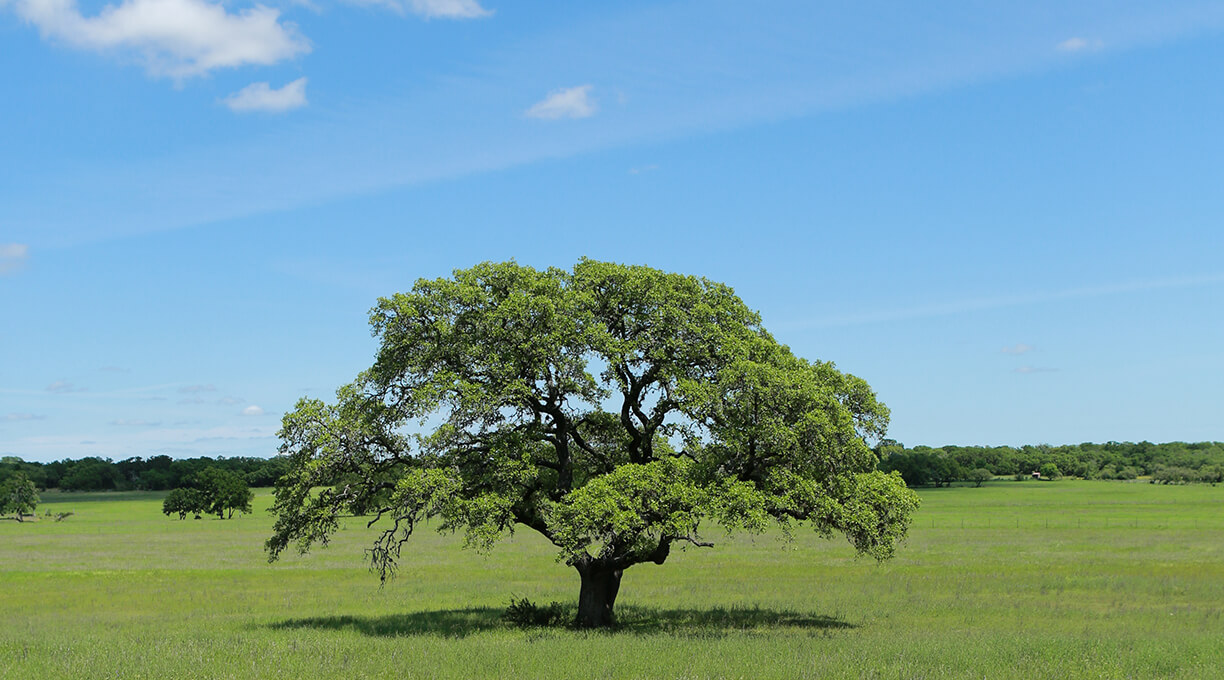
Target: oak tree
{"points": [[616, 410], [18, 495]]}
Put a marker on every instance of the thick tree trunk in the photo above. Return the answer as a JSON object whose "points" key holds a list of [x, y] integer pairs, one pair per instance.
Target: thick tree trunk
{"points": [[598, 595]]}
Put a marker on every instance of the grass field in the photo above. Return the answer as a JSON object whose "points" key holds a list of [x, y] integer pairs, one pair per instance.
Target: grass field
{"points": [[1015, 579]]}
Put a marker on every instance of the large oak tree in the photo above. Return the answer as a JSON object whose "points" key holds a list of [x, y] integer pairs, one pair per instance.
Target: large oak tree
{"points": [[614, 409]]}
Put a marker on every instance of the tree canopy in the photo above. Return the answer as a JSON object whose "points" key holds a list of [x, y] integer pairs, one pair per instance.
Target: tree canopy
{"points": [[223, 492], [185, 501], [613, 409], [18, 495]]}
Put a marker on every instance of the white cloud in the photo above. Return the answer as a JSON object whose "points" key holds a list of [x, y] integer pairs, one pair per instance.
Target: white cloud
{"points": [[252, 410], [572, 102], [12, 256], [229, 401], [1079, 45], [134, 423], [14, 417], [1018, 348], [261, 97], [434, 9], [176, 38]]}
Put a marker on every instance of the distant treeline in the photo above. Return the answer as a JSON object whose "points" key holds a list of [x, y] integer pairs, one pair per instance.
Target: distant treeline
{"points": [[1170, 463], [139, 474], [1173, 462]]}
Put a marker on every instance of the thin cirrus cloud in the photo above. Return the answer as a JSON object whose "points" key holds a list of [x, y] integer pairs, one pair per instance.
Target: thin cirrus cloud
{"points": [[569, 102], [1079, 45], [19, 417], [1018, 348], [63, 387], [262, 97], [433, 9], [196, 389], [12, 257], [175, 38]]}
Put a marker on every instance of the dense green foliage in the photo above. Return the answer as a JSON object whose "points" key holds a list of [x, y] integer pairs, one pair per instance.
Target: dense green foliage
{"points": [[1062, 581], [215, 490], [612, 409], [185, 501], [1170, 462], [224, 491], [18, 496], [155, 473], [1173, 462]]}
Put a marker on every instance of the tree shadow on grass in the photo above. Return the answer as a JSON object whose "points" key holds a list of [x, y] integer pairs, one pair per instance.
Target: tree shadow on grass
{"points": [[456, 623], [631, 620], [719, 621]]}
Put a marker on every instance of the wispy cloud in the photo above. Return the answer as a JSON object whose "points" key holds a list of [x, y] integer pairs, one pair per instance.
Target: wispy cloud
{"points": [[1079, 45], [1018, 348], [63, 387], [123, 422], [570, 102], [763, 70], [983, 304], [196, 389], [18, 417], [261, 97], [175, 38], [433, 9], [1035, 369], [252, 410], [12, 257], [120, 442]]}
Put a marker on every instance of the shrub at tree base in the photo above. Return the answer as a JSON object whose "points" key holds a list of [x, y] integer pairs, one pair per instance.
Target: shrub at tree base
{"points": [[612, 409], [526, 614]]}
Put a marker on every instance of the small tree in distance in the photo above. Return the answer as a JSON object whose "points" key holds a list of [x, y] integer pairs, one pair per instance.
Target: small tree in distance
{"points": [[980, 475], [1050, 471], [224, 491], [613, 409], [18, 495], [185, 501]]}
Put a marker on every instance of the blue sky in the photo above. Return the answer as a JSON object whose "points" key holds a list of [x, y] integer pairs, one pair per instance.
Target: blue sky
{"points": [[1006, 219]]}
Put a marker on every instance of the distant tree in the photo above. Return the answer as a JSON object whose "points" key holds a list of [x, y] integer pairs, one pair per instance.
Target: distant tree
{"points": [[1050, 471], [225, 491], [980, 475], [185, 501], [18, 495]]}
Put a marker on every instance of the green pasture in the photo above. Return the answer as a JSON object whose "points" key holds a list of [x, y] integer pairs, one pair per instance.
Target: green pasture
{"points": [[1013, 580]]}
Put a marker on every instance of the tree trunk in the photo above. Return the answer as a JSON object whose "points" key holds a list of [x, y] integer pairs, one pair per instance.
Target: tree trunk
{"points": [[598, 595]]}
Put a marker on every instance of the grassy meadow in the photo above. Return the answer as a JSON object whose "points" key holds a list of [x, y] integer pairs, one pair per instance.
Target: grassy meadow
{"points": [[1016, 579]]}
